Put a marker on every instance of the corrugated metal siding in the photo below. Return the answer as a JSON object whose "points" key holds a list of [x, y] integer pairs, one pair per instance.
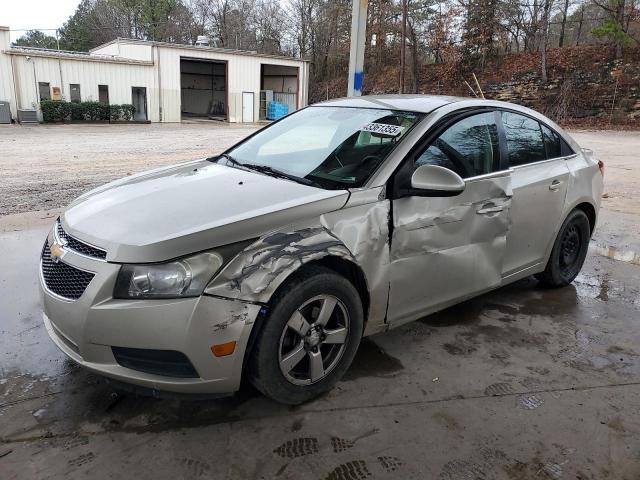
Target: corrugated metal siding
{"points": [[60, 73], [6, 79]]}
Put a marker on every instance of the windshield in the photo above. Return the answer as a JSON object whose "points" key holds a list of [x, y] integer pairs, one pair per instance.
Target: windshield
{"points": [[332, 147]]}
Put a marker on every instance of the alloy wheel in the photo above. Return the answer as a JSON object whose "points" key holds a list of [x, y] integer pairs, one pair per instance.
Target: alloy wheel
{"points": [[313, 340]]}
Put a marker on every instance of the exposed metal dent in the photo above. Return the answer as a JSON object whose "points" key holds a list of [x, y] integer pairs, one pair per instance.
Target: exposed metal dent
{"points": [[357, 234], [257, 272], [364, 229]]}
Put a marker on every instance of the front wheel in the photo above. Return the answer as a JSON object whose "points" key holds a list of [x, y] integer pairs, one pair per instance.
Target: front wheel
{"points": [[309, 338], [569, 251]]}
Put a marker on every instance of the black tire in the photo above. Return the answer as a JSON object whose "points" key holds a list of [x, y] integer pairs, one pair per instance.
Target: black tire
{"points": [[569, 251], [264, 370]]}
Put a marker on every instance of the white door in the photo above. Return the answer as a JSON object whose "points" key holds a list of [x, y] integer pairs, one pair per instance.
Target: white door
{"points": [[247, 107]]}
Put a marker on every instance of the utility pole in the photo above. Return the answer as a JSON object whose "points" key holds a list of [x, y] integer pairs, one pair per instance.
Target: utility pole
{"points": [[403, 46], [358, 41]]}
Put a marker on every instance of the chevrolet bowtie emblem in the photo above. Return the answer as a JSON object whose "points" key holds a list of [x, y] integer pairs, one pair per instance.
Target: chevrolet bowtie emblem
{"points": [[56, 251]]}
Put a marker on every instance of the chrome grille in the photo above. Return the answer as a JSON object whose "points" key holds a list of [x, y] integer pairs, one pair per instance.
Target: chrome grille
{"points": [[62, 279], [78, 246]]}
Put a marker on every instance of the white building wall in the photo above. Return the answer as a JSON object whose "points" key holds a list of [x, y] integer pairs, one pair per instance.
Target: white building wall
{"points": [[161, 77], [120, 78], [6, 78]]}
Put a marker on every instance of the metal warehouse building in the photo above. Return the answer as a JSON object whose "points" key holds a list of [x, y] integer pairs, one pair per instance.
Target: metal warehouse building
{"points": [[165, 82]]}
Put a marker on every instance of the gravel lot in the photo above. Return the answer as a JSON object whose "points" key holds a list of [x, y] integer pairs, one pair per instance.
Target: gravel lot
{"points": [[44, 167]]}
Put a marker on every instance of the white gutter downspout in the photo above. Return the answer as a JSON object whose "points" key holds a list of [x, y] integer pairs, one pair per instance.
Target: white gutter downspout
{"points": [[15, 87], [159, 84]]}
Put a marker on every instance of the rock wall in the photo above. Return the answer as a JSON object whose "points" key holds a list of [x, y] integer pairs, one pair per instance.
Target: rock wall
{"points": [[582, 83]]}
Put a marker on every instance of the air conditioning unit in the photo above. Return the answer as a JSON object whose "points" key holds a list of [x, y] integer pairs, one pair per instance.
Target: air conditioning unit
{"points": [[27, 116], [5, 112], [202, 41]]}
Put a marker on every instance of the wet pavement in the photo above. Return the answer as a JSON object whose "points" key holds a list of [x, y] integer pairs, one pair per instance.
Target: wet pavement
{"points": [[522, 383]]}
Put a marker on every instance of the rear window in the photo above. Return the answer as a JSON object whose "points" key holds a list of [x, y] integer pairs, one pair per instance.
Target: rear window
{"points": [[525, 143]]}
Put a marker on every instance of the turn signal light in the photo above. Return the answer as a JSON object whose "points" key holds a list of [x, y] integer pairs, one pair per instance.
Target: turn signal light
{"points": [[223, 349]]}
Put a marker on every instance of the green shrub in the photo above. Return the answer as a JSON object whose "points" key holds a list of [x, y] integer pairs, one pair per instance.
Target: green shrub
{"points": [[92, 110], [58, 111], [127, 111], [115, 112], [77, 111], [54, 110]]}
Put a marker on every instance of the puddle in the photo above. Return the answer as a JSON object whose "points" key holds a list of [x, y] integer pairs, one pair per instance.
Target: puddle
{"points": [[372, 361], [460, 314]]}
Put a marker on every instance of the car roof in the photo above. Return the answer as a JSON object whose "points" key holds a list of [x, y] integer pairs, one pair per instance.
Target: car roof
{"points": [[407, 102]]}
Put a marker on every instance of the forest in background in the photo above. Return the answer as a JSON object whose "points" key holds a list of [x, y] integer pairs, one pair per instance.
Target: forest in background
{"points": [[453, 38]]}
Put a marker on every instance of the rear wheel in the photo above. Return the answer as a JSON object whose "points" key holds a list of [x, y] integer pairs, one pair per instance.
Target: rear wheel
{"points": [[309, 338], [569, 251]]}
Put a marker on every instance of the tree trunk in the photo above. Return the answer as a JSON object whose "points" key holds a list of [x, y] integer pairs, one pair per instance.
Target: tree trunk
{"points": [[545, 38], [580, 22], [620, 4], [564, 23], [403, 46], [414, 59]]}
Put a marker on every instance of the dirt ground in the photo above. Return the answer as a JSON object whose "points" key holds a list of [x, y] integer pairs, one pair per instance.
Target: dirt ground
{"points": [[519, 384], [47, 166]]}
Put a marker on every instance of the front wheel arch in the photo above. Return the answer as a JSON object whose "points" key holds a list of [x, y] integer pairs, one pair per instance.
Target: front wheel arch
{"points": [[345, 268]]}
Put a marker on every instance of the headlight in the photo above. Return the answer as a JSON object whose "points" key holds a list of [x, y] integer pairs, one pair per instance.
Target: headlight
{"points": [[186, 277]]}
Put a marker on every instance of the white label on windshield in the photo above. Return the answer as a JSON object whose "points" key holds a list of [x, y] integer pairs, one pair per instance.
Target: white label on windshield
{"points": [[383, 129]]}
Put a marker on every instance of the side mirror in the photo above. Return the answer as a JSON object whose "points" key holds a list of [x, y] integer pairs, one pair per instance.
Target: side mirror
{"points": [[435, 181]]}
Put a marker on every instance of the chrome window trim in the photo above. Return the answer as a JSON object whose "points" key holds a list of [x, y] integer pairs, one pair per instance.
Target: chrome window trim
{"points": [[539, 162], [499, 173], [67, 248]]}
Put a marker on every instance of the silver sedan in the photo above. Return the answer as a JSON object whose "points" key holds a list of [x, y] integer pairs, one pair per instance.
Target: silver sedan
{"points": [[344, 219]]}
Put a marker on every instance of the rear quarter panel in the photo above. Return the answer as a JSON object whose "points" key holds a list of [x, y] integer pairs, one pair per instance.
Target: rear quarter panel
{"points": [[585, 182]]}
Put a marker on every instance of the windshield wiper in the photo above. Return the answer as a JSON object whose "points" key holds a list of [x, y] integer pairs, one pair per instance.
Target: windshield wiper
{"points": [[280, 174], [229, 159]]}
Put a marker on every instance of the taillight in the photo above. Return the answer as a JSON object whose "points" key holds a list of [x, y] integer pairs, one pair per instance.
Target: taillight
{"points": [[601, 167]]}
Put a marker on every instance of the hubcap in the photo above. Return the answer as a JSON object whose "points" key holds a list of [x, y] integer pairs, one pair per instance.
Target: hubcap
{"points": [[313, 340]]}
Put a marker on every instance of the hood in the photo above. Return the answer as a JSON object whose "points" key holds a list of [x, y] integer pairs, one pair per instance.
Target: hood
{"points": [[175, 211]]}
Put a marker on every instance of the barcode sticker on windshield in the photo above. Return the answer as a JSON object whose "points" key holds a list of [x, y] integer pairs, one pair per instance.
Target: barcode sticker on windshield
{"points": [[383, 129]]}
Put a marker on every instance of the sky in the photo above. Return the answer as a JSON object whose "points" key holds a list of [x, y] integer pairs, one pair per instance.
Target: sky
{"points": [[35, 14]]}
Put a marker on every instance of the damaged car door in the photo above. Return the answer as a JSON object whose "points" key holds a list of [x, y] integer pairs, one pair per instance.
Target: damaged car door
{"points": [[449, 243]]}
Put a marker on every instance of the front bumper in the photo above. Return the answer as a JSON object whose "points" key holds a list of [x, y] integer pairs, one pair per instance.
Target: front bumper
{"points": [[86, 330]]}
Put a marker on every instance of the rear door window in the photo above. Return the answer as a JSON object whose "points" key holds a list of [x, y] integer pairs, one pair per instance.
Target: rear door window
{"points": [[525, 143]]}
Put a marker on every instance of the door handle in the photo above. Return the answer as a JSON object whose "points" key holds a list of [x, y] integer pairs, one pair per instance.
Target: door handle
{"points": [[555, 185], [490, 208]]}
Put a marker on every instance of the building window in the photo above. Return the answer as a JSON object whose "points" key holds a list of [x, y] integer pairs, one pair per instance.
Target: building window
{"points": [[74, 88], [103, 93], [44, 91]]}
